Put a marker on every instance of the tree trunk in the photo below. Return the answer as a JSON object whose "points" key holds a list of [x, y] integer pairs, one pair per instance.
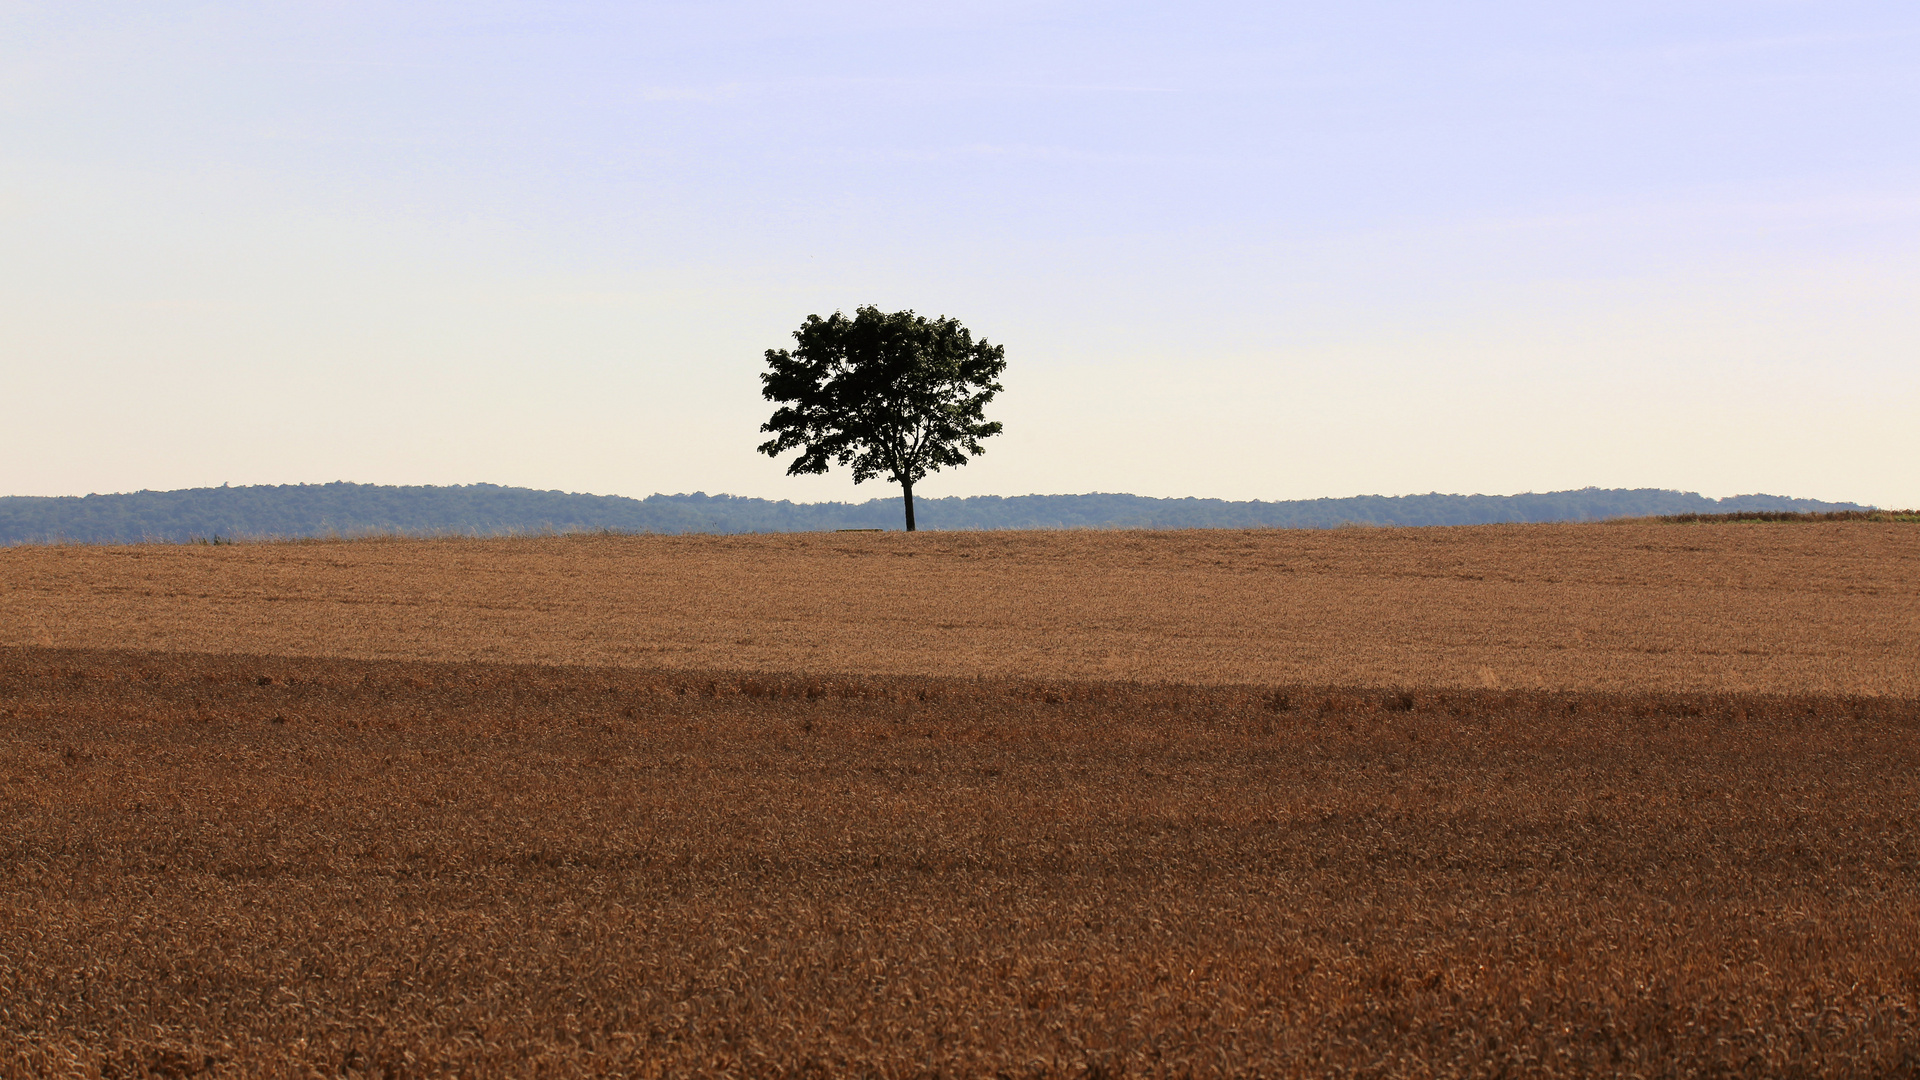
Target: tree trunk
{"points": [[906, 491]]}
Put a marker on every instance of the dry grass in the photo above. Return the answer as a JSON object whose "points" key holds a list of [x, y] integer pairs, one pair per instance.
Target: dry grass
{"points": [[261, 866], [1751, 516], [1831, 607]]}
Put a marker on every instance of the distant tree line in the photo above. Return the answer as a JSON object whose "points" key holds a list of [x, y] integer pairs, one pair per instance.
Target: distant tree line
{"points": [[342, 509]]}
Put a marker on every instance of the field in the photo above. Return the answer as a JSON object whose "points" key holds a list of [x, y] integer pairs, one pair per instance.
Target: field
{"points": [[1772, 608], [1615, 800]]}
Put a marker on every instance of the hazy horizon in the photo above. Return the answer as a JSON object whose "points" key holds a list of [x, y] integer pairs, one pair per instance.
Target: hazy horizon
{"points": [[1234, 251], [876, 492]]}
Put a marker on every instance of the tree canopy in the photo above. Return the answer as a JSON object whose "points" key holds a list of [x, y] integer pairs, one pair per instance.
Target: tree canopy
{"points": [[893, 395]]}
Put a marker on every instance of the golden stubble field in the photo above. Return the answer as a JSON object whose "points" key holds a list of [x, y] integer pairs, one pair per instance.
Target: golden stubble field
{"points": [[1629, 799], [1831, 607]]}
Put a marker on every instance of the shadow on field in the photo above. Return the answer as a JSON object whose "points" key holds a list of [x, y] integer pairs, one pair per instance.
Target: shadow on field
{"points": [[230, 865]]}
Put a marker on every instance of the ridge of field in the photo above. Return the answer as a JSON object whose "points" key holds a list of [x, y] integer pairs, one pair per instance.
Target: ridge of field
{"points": [[261, 866], [342, 509], [1825, 607]]}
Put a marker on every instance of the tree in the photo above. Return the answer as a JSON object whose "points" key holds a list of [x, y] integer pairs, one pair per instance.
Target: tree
{"points": [[895, 395]]}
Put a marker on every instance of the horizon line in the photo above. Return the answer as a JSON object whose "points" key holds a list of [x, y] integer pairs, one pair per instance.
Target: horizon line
{"points": [[934, 498]]}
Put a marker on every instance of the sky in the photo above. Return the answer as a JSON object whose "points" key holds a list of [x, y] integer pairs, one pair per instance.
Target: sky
{"points": [[1233, 250]]}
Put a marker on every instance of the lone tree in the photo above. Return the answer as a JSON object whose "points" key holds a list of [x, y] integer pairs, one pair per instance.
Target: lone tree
{"points": [[894, 395]]}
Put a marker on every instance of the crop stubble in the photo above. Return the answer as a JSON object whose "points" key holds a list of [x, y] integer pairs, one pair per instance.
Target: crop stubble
{"points": [[1785, 608], [266, 864], [269, 864]]}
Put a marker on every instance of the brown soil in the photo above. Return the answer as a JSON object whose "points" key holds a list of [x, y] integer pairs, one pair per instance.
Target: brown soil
{"points": [[270, 866], [1801, 607]]}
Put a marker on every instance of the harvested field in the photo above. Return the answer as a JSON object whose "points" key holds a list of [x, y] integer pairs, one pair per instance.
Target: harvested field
{"points": [[1830, 607], [1624, 799], [265, 866]]}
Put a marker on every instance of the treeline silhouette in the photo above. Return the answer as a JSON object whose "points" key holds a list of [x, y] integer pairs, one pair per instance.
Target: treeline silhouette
{"points": [[348, 510]]}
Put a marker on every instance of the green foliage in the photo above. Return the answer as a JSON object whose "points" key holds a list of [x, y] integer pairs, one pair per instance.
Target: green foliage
{"points": [[895, 395]]}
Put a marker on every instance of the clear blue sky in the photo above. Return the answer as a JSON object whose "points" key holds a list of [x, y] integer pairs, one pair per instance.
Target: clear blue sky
{"points": [[1235, 250]]}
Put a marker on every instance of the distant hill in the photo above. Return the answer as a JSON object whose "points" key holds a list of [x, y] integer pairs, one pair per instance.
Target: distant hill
{"points": [[304, 510]]}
